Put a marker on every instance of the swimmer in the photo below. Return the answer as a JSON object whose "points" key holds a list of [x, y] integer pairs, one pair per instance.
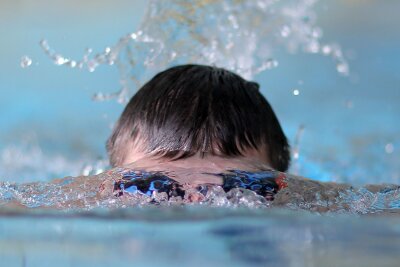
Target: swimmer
{"points": [[197, 125]]}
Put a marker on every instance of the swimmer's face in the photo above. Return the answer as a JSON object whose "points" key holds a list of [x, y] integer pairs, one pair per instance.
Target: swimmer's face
{"points": [[197, 169]]}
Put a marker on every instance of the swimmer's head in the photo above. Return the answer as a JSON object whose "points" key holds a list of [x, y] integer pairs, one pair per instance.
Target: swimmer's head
{"points": [[199, 110]]}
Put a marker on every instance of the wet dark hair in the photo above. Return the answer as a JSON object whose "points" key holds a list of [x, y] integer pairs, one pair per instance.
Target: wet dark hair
{"points": [[192, 109]]}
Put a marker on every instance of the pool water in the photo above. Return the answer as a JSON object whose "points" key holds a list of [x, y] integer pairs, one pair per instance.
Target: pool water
{"points": [[195, 236], [328, 69]]}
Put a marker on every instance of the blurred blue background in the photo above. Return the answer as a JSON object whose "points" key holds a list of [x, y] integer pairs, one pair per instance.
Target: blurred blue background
{"points": [[49, 126]]}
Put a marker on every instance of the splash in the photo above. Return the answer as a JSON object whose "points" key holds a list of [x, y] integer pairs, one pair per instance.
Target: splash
{"points": [[242, 36], [91, 192], [28, 161], [25, 62]]}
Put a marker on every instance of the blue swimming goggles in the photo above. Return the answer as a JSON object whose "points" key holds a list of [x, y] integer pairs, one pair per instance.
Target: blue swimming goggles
{"points": [[265, 183]]}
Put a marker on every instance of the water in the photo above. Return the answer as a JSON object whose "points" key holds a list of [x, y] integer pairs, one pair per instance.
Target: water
{"points": [[111, 190], [307, 55], [196, 236]]}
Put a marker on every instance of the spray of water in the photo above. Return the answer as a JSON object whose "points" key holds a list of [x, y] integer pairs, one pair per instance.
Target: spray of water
{"points": [[239, 35]]}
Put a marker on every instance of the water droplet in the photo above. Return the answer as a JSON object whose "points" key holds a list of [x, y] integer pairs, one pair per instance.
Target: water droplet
{"points": [[326, 50], [72, 63], [317, 33], [107, 50], [285, 32], [229, 46], [337, 52], [59, 60], [173, 55], [98, 97], [389, 148], [25, 62], [271, 63], [313, 47], [342, 68], [233, 21], [92, 65], [296, 92], [87, 170], [44, 44]]}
